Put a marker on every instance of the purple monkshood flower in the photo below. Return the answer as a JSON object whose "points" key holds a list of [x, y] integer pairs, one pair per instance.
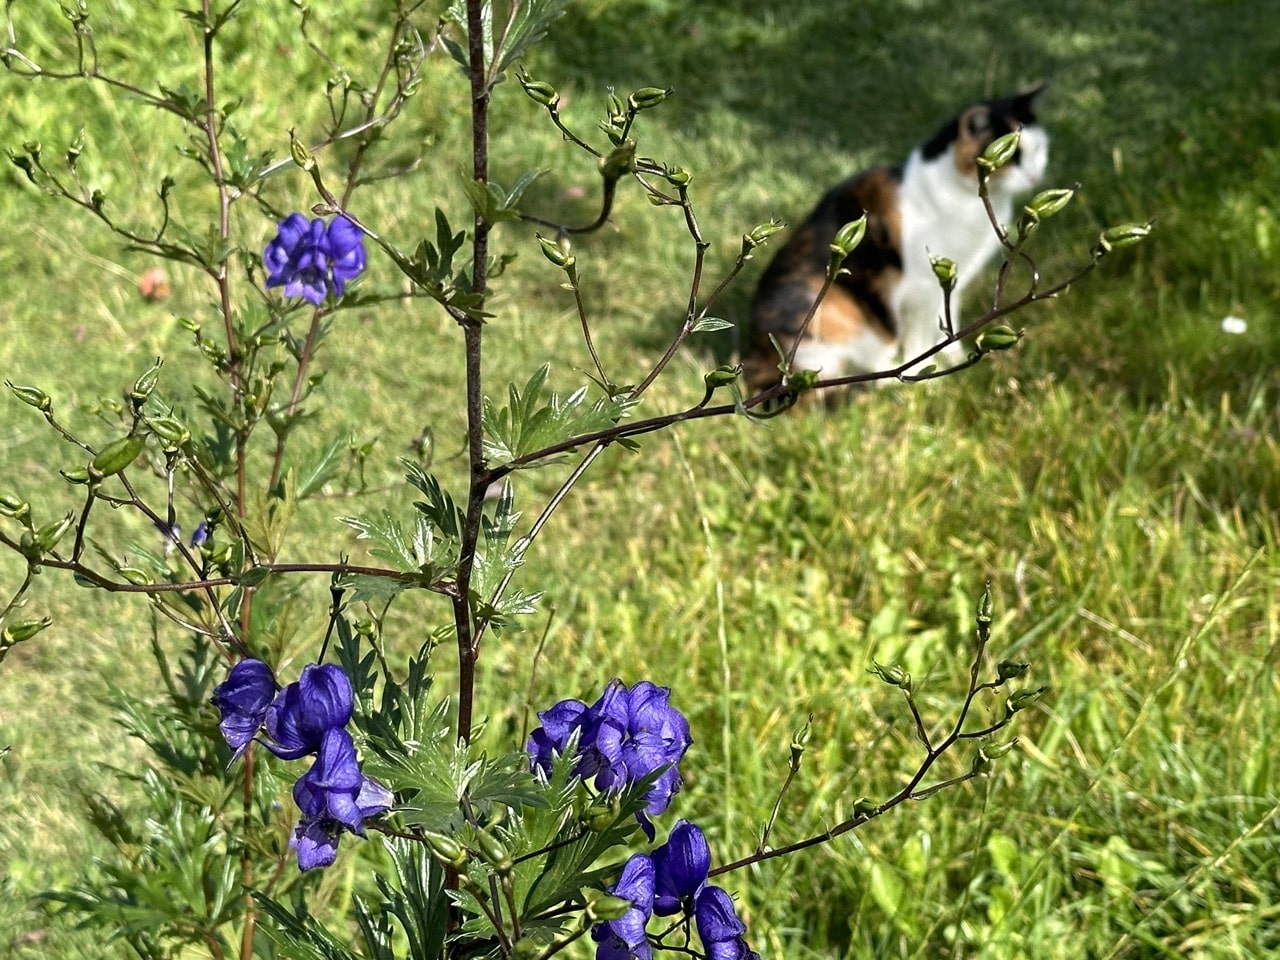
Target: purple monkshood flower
{"points": [[680, 868], [309, 259], [200, 535], [242, 701], [334, 796], [320, 700], [719, 928], [625, 938], [623, 737]]}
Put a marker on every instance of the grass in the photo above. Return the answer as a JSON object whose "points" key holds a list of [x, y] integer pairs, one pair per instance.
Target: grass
{"points": [[1114, 478]]}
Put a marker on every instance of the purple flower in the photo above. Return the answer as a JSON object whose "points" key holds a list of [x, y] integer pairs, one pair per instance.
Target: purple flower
{"points": [[309, 260], [200, 535], [680, 869], [334, 796], [319, 701], [721, 931], [242, 701], [625, 736], [625, 937]]}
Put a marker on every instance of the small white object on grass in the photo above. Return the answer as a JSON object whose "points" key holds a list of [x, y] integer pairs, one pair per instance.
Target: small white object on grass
{"points": [[1234, 325]]}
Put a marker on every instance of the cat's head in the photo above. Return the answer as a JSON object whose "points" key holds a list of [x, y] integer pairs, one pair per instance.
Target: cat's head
{"points": [[966, 135]]}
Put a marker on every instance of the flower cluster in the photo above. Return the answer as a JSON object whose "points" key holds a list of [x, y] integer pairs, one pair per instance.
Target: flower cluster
{"points": [[625, 736], [671, 880], [309, 259], [309, 716]]}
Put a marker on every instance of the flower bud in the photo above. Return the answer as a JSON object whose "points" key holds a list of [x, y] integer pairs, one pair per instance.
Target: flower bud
{"points": [[1011, 669], [74, 149], [32, 396], [1048, 202], [1125, 235], [997, 338], [116, 456], [24, 630], [97, 200], [800, 740], [647, 97], [554, 252], [849, 236], [945, 270], [999, 152], [145, 384]]}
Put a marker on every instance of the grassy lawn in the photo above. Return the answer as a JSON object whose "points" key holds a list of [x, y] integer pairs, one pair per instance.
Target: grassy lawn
{"points": [[1116, 478]]}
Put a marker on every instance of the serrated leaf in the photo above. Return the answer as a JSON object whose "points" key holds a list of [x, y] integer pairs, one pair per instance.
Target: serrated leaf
{"points": [[314, 474], [530, 24]]}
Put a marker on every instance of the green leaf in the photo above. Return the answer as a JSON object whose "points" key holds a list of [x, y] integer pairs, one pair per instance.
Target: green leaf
{"points": [[710, 325], [530, 24], [313, 475]]}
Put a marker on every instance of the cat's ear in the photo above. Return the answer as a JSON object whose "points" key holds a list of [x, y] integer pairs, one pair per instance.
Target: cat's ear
{"points": [[1027, 101]]}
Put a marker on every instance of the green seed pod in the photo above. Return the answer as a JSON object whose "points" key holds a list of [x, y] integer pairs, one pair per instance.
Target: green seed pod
{"points": [[445, 849], [647, 97], [135, 576], [554, 252], [301, 155], [116, 455], [538, 91], [1048, 202], [994, 751], [1011, 669], [760, 233], [603, 907], [47, 537], [1125, 235], [721, 376], [862, 807], [32, 147], [74, 149], [1022, 699], [14, 506], [145, 385], [999, 152], [998, 338], [677, 176], [173, 433], [849, 236], [24, 630], [621, 160], [613, 106], [32, 396], [493, 850], [77, 476], [894, 675], [946, 272]]}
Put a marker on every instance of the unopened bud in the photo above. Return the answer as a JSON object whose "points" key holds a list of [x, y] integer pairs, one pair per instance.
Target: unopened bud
{"points": [[893, 675], [145, 384], [946, 272], [116, 456], [862, 807], [800, 740], [760, 234], [1011, 669], [74, 149], [446, 849], [849, 236], [722, 376], [47, 537], [32, 147], [32, 396], [647, 97], [997, 338], [677, 176], [999, 152], [97, 200], [604, 907], [493, 850]]}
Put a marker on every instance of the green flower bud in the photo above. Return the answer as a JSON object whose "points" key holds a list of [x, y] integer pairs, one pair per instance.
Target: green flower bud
{"points": [[145, 385], [946, 272], [97, 200], [647, 97], [446, 849], [554, 252], [849, 236], [1011, 669], [999, 152], [1048, 202], [493, 850], [621, 160], [539, 92], [47, 537], [74, 149], [997, 338], [116, 456], [800, 740], [24, 630], [1125, 235], [32, 396]]}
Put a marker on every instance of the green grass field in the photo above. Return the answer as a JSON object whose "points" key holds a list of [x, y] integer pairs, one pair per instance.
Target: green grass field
{"points": [[1116, 478]]}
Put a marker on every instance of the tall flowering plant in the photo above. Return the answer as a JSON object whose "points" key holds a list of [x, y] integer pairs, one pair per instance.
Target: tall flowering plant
{"points": [[479, 848]]}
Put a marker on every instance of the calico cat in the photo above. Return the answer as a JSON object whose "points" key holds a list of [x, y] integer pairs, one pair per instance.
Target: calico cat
{"points": [[889, 305]]}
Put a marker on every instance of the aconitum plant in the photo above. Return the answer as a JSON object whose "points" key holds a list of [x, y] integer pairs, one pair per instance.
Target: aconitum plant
{"points": [[310, 259]]}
